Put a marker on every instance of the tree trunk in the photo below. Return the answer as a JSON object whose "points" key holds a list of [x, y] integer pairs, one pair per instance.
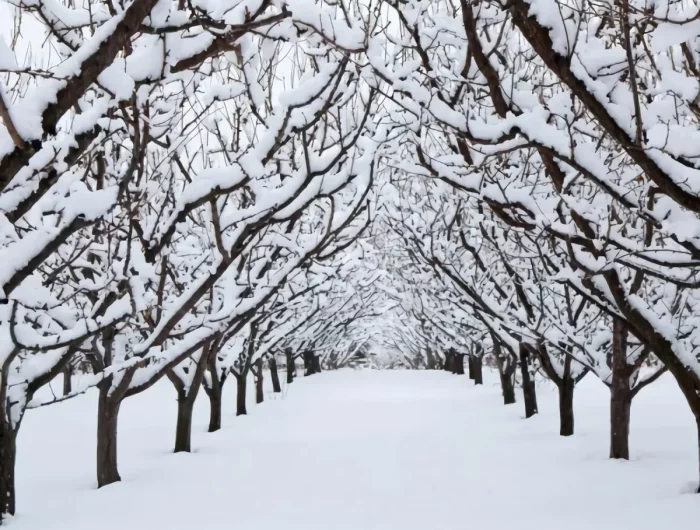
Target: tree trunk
{"points": [[290, 367], [107, 418], [258, 374], [505, 372], [620, 406], [477, 364], [448, 362], [214, 395], [308, 365], [67, 382], [459, 364], [620, 395], [508, 389], [566, 406], [8, 453], [241, 381], [274, 376], [697, 420], [183, 430], [316, 363], [471, 368], [529, 392], [186, 398], [431, 362], [214, 390]]}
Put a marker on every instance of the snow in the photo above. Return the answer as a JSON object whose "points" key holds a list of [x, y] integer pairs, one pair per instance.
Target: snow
{"points": [[8, 61], [365, 450], [670, 34]]}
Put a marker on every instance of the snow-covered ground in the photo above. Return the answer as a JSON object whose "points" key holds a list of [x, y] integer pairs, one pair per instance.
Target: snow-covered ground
{"points": [[365, 450]]}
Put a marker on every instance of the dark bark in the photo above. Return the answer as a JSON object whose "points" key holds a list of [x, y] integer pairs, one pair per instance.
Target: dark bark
{"points": [[67, 381], [507, 388], [312, 363], [620, 395], [506, 370], [620, 407], [241, 381], [108, 403], [697, 420], [471, 367], [214, 391], [274, 375], [258, 375], [458, 364], [308, 368], [477, 364], [8, 453], [431, 361], [529, 392], [186, 397], [214, 409], [107, 418], [566, 384], [183, 430], [448, 363], [566, 406], [316, 363], [290, 365]]}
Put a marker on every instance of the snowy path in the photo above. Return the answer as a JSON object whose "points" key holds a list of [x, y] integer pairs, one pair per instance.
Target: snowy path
{"points": [[365, 451]]}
